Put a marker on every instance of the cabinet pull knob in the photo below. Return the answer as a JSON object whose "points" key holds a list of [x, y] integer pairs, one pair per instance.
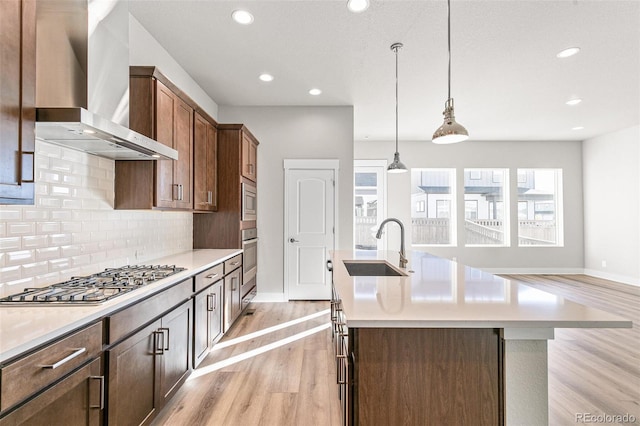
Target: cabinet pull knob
{"points": [[77, 352], [101, 403]]}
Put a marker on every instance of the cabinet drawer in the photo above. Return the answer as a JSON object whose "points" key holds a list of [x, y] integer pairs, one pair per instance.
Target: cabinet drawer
{"points": [[208, 277], [133, 317], [33, 372], [232, 263]]}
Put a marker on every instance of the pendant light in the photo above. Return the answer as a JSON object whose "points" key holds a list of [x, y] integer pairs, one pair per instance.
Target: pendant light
{"points": [[396, 166], [450, 131]]}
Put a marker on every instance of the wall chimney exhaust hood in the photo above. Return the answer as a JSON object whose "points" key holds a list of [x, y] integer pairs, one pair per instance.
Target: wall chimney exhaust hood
{"points": [[82, 80]]}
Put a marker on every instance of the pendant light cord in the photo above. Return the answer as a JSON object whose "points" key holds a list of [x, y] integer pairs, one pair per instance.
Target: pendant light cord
{"points": [[396, 49], [449, 42]]}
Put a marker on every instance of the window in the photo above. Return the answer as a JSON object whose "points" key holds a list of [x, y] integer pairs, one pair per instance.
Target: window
{"points": [[539, 207], [432, 218], [369, 181], [486, 207]]}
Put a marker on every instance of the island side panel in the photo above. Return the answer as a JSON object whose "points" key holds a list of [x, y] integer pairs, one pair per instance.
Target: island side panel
{"points": [[428, 377]]}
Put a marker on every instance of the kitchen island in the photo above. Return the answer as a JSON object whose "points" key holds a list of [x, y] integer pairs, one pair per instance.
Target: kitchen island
{"points": [[444, 343]]}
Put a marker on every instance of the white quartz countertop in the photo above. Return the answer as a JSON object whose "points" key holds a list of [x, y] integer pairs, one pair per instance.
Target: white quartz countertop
{"points": [[24, 328], [439, 293]]}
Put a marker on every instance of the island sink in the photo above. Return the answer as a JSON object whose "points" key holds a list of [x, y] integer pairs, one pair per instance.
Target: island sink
{"points": [[371, 268]]}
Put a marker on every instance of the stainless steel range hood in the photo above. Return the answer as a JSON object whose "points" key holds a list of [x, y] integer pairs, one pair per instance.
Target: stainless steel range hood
{"points": [[82, 80]]}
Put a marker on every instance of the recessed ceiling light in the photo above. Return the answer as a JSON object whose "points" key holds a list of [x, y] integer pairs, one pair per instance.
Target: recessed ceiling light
{"points": [[573, 102], [242, 17], [577, 128], [266, 77], [357, 6], [315, 92], [568, 52]]}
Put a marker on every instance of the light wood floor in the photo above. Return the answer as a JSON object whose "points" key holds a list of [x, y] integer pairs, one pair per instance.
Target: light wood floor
{"points": [[590, 371], [294, 384]]}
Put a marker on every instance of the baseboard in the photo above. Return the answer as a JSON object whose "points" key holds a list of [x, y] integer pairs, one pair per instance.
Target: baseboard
{"points": [[534, 271], [268, 297], [613, 277]]}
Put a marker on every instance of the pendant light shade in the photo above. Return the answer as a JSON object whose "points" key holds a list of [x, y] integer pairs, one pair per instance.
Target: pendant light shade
{"points": [[396, 166], [450, 131]]}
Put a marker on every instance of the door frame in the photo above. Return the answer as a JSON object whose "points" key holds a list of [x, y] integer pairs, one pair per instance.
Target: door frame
{"points": [[307, 164]]}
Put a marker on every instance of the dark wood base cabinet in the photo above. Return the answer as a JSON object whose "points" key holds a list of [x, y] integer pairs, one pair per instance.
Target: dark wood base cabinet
{"points": [[146, 369], [422, 377], [76, 400]]}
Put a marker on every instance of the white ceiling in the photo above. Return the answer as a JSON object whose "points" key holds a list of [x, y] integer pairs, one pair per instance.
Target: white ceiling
{"points": [[506, 80]]}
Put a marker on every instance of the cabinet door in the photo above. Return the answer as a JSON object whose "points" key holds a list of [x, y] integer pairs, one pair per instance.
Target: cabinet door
{"points": [[231, 297], [205, 163], [183, 143], [17, 100], [215, 312], [201, 321], [164, 128], [76, 400], [249, 154], [133, 395], [212, 166], [175, 364]]}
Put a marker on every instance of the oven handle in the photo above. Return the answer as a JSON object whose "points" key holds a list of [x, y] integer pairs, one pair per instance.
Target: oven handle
{"points": [[251, 241]]}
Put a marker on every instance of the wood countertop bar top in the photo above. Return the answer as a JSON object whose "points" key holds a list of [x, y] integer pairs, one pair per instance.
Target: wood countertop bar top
{"points": [[23, 328], [439, 293]]}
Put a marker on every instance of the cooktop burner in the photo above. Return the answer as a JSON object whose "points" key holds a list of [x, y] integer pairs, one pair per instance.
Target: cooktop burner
{"points": [[93, 289]]}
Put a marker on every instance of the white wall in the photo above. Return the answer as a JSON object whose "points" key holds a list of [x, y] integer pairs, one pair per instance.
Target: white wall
{"points": [[294, 133], [612, 205], [511, 155], [145, 50]]}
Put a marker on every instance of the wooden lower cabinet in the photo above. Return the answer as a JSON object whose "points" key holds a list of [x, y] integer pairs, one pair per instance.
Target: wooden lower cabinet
{"points": [[148, 367], [76, 400], [419, 376], [232, 300], [207, 320]]}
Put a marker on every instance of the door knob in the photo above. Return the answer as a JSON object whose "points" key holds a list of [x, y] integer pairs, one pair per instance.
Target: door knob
{"points": [[293, 240]]}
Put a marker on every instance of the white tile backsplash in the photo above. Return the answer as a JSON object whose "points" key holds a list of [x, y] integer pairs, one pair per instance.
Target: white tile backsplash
{"points": [[73, 228]]}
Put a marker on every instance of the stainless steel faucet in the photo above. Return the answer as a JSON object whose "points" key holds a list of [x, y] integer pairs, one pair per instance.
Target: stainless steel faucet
{"points": [[403, 258]]}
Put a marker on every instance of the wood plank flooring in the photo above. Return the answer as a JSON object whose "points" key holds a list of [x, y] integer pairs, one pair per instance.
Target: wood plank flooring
{"points": [[590, 371], [292, 384]]}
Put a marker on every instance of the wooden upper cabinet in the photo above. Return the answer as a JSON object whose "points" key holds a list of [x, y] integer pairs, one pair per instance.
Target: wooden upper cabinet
{"points": [[249, 157], [158, 112], [17, 100], [205, 164]]}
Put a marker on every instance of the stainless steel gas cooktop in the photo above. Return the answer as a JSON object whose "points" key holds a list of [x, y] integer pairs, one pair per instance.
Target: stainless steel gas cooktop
{"points": [[93, 289]]}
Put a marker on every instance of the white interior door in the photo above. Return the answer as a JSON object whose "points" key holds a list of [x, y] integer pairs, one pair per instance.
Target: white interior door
{"points": [[309, 232]]}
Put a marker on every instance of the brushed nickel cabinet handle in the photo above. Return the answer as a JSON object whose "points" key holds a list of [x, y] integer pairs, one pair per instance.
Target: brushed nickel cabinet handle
{"points": [[211, 276], [166, 342], [158, 348], [77, 352], [210, 307], [101, 403], [235, 263]]}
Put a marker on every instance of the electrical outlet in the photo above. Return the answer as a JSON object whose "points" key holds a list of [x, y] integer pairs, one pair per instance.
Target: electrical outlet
{"points": [[604, 263]]}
